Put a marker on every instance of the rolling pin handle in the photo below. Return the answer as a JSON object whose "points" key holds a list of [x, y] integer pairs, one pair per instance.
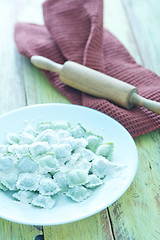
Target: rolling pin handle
{"points": [[143, 102], [46, 64]]}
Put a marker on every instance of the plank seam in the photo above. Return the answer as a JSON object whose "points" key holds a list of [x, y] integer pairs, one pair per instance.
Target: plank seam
{"points": [[23, 80], [132, 31], [43, 233], [111, 224]]}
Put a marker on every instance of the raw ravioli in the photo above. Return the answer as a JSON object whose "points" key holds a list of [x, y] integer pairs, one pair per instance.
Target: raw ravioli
{"points": [[47, 159], [48, 186], [43, 201], [79, 193], [76, 177], [28, 181]]}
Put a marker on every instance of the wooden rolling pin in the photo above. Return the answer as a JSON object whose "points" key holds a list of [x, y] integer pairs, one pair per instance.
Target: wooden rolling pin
{"points": [[97, 84]]}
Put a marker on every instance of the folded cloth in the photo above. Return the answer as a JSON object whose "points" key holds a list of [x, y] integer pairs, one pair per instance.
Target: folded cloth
{"points": [[74, 31]]}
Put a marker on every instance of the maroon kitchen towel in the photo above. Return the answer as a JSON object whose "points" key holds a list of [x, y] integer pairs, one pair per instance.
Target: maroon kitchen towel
{"points": [[74, 31]]}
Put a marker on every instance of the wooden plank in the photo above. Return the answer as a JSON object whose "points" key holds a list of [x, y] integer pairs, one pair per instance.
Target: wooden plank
{"points": [[93, 228], [136, 214], [15, 231], [116, 21], [11, 87], [37, 87], [29, 11], [144, 19], [12, 95]]}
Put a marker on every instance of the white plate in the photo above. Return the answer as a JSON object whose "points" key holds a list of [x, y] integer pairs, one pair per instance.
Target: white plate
{"points": [[65, 210]]}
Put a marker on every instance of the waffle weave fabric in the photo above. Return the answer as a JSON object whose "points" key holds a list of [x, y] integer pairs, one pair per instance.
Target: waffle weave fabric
{"points": [[74, 31]]}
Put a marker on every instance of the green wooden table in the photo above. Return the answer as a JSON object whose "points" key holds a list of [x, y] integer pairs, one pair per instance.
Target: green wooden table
{"points": [[136, 215]]}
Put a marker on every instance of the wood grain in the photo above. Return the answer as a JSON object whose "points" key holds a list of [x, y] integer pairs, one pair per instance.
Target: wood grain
{"points": [[136, 215], [92, 228], [12, 96], [15, 231], [37, 88], [144, 19], [11, 87], [115, 20]]}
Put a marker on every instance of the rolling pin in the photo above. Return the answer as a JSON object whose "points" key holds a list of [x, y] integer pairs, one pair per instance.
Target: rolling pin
{"points": [[97, 84]]}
